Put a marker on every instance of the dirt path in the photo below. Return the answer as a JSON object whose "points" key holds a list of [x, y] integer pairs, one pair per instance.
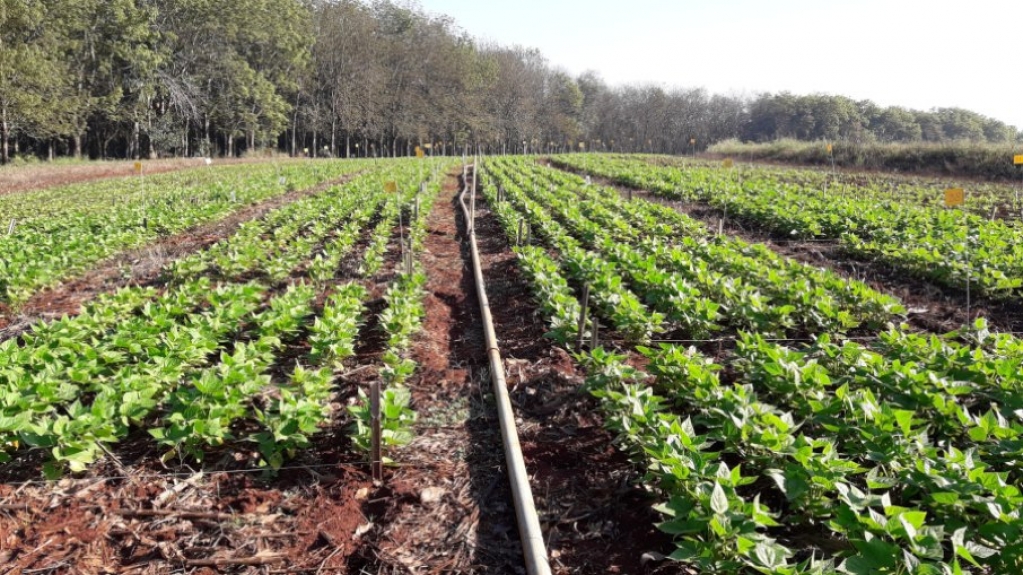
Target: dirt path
{"points": [[43, 175], [446, 508], [138, 266]]}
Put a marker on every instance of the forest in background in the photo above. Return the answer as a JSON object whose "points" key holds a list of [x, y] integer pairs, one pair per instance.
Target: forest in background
{"points": [[341, 78]]}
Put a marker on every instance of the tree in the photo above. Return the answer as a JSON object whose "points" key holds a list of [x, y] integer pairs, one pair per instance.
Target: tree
{"points": [[32, 75]]}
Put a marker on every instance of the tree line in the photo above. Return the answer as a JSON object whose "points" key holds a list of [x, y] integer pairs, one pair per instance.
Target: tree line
{"points": [[149, 78]]}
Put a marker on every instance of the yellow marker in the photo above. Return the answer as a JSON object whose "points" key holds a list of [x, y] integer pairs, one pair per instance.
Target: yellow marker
{"points": [[829, 148], [727, 163], [138, 167], [954, 197], [1018, 159], [391, 187], [419, 152]]}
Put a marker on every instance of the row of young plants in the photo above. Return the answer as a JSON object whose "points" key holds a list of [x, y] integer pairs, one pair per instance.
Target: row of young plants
{"points": [[400, 320], [1003, 200], [901, 457], [701, 283], [819, 299], [198, 365], [609, 295], [89, 224], [895, 457], [749, 486], [948, 247], [276, 245]]}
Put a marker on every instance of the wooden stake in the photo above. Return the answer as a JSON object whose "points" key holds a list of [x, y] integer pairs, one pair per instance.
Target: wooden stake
{"points": [[10, 228], [595, 324], [376, 459], [582, 317], [630, 194], [518, 237]]}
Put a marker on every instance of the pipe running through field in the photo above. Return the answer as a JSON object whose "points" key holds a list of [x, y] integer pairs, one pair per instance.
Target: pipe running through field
{"points": [[533, 549]]}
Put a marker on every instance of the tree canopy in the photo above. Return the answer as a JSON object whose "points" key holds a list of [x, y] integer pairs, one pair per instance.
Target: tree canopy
{"points": [[146, 78]]}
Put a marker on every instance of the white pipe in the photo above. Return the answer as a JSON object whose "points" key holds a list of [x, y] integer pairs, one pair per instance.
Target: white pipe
{"points": [[533, 549]]}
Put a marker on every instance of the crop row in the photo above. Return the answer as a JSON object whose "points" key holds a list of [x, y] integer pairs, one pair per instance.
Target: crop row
{"points": [[83, 229], [896, 457], [202, 363], [700, 283], [833, 459], [948, 247]]}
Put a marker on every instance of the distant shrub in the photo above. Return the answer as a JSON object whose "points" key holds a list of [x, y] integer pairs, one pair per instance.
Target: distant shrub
{"points": [[989, 161]]}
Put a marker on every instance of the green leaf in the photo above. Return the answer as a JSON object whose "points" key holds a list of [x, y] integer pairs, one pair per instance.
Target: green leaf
{"points": [[718, 499]]}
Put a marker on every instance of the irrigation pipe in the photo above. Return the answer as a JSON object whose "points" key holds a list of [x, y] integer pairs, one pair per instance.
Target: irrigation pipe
{"points": [[533, 550]]}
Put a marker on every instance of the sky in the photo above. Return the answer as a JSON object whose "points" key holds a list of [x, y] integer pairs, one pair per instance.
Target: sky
{"points": [[910, 53]]}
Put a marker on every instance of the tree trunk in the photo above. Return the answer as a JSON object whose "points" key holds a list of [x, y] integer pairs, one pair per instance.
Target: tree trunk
{"points": [[206, 134], [78, 147], [333, 138], [348, 145], [49, 150], [294, 133], [316, 148], [230, 145], [4, 137], [136, 147]]}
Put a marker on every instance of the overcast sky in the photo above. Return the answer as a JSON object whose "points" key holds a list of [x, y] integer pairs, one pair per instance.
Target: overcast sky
{"points": [[910, 53]]}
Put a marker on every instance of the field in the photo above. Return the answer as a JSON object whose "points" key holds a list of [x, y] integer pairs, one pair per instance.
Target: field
{"points": [[713, 370]]}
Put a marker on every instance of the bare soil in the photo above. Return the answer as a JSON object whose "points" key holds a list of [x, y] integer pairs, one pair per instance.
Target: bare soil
{"points": [[44, 175]]}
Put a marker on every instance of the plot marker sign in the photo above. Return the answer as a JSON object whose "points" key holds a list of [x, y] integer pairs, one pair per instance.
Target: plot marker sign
{"points": [[954, 197], [1018, 159]]}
